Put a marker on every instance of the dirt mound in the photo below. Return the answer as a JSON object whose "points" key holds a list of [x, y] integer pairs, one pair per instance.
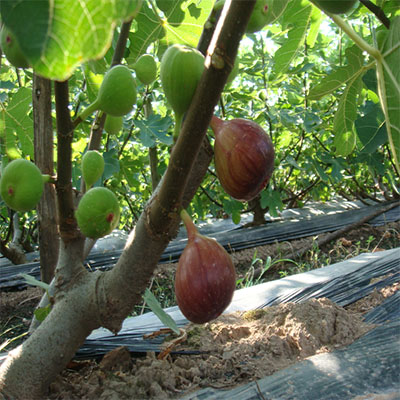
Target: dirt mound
{"points": [[234, 349]]}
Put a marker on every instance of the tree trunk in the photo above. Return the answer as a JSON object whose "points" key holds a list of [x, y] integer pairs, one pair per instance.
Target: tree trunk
{"points": [[85, 301], [31, 367], [257, 210], [46, 209]]}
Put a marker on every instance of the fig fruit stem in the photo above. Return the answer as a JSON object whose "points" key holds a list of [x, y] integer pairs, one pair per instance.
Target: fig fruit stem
{"points": [[47, 178], [178, 124], [91, 108], [190, 226], [216, 124]]}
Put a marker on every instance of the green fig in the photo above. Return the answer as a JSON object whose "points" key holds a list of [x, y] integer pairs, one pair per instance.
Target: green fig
{"points": [[146, 69], [335, 6], [117, 94], [113, 125], [258, 18], [92, 167], [180, 71], [11, 49], [98, 212], [21, 185]]}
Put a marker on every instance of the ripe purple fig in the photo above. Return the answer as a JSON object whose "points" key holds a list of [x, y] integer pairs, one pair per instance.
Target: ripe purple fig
{"points": [[205, 278], [244, 157]]}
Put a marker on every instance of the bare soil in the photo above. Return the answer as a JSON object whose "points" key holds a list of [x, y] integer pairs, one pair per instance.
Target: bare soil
{"points": [[231, 350]]}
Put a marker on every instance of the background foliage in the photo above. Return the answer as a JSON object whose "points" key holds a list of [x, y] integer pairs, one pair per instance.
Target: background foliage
{"points": [[302, 78]]}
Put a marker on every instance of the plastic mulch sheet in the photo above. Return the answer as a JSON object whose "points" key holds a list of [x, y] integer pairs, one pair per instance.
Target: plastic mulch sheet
{"points": [[295, 224], [343, 283], [367, 367], [363, 370]]}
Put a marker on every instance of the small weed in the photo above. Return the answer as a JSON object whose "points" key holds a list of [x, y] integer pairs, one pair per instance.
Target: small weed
{"points": [[253, 315], [255, 276]]}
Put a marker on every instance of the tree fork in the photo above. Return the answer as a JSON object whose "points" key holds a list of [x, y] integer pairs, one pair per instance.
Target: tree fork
{"points": [[76, 310]]}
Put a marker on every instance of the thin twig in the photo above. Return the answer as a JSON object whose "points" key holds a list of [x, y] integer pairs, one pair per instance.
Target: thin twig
{"points": [[328, 238], [377, 11], [337, 234]]}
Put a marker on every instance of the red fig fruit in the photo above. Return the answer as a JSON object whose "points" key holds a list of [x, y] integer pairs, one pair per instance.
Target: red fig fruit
{"points": [[244, 157], [205, 278]]}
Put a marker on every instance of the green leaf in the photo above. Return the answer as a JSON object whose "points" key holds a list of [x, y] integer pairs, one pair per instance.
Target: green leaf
{"points": [[56, 36], [271, 199], [344, 143], [30, 280], [153, 129], [187, 30], [183, 24], [343, 123], [129, 168], [149, 29], [315, 23], [298, 16], [371, 129], [320, 171], [111, 163], [42, 312], [155, 306], [233, 208], [389, 87], [340, 76], [18, 125], [370, 80]]}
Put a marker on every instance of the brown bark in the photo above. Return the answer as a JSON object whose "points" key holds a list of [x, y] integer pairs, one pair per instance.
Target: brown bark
{"points": [[15, 255], [257, 210], [84, 300], [46, 209], [65, 201]]}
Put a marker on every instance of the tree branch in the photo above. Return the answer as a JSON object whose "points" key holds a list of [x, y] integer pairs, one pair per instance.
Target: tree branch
{"points": [[377, 11], [337, 234], [160, 219], [67, 222], [47, 208], [222, 49]]}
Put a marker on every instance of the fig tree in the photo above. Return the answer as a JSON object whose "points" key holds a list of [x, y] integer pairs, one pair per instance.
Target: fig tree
{"points": [[92, 167], [117, 94], [146, 69], [11, 49], [180, 71], [205, 278], [98, 212], [335, 6], [21, 185], [243, 155]]}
